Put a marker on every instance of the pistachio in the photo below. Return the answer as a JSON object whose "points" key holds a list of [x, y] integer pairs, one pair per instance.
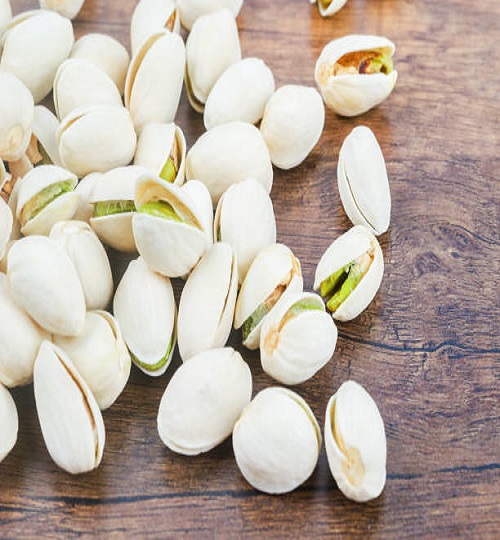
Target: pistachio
{"points": [[67, 8], [5, 16], [276, 441], [355, 443], [327, 8], [9, 423], [84, 189], [43, 148], [191, 10]]}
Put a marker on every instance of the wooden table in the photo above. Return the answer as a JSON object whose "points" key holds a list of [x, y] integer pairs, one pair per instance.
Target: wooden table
{"points": [[427, 349]]}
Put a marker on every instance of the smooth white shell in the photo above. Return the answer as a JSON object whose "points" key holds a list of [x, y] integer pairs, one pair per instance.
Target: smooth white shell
{"points": [[6, 222], [276, 441], [190, 10], [9, 423], [67, 8], [84, 189], [331, 8], [203, 400], [355, 443], [45, 128]]}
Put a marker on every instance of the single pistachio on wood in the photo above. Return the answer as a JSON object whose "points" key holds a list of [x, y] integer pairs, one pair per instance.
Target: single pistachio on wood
{"points": [[43, 147], [211, 47], [45, 283], [161, 149], [203, 400], [67, 8], [191, 10], [297, 339], [355, 73], [362, 181], [106, 53], [100, 356], [292, 124], [228, 154], [349, 273], [34, 44], [84, 189], [5, 15], [276, 441], [240, 93], [327, 8], [70, 419], [6, 221], [144, 306], [355, 443], [9, 423]]}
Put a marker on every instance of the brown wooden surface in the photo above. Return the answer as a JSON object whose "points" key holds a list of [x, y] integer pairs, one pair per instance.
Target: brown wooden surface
{"points": [[427, 349]]}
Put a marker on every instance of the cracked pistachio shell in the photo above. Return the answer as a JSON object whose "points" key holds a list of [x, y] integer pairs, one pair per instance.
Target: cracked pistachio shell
{"points": [[100, 356], [70, 419], [34, 44], [6, 222], [79, 83], [84, 189], [191, 10], [276, 441], [203, 400], [5, 15], [43, 147], [20, 339], [90, 260], [292, 124], [16, 117], [327, 8], [353, 93], [45, 283], [117, 185], [154, 79], [228, 154], [159, 143], [9, 423], [60, 206], [244, 218], [211, 47], [240, 93], [355, 243], [362, 181], [171, 247], [355, 443], [144, 306], [151, 16], [206, 307], [67, 8], [297, 339], [274, 273]]}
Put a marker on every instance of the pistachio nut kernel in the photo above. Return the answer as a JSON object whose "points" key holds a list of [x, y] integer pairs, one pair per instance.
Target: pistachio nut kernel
{"points": [[42, 199], [110, 208], [364, 63]]}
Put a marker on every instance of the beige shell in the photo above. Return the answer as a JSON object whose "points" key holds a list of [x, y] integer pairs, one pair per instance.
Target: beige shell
{"points": [[6, 221], [90, 260], [100, 356], [144, 306], [96, 138], [276, 441], [16, 117], [203, 400], [34, 44], [43, 147], [70, 419], [244, 218], [211, 47], [292, 124], [79, 83], [45, 283], [327, 8], [20, 339], [240, 93], [191, 10], [5, 16], [206, 307], [355, 443], [200, 196], [67, 8], [84, 189], [106, 53], [355, 243], [9, 423], [9, 191], [297, 339], [156, 144], [149, 17], [154, 79], [362, 181], [228, 154], [351, 94]]}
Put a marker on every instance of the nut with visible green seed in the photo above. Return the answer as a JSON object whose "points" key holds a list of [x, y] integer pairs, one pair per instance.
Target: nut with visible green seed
{"points": [[9, 423]]}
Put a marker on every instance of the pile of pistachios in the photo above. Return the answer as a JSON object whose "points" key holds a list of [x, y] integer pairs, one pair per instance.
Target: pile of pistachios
{"points": [[111, 168]]}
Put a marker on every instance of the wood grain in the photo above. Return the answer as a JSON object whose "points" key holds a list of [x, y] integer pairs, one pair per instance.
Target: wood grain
{"points": [[427, 349]]}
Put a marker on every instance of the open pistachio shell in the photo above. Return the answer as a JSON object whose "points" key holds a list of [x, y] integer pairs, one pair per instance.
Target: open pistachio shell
{"points": [[84, 189], [274, 273], [200, 196], [354, 73], [350, 272], [362, 181], [191, 10], [9, 423], [206, 307], [43, 148], [144, 306], [355, 443], [67, 8], [100, 356], [6, 221], [276, 441], [154, 79], [203, 400], [70, 419], [34, 44], [327, 8], [45, 283], [228, 154]]}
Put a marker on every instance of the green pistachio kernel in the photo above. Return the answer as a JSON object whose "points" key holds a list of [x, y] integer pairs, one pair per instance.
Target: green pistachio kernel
{"points": [[169, 170], [364, 62], [109, 208], [160, 209], [161, 363], [43, 198], [306, 304], [381, 63]]}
